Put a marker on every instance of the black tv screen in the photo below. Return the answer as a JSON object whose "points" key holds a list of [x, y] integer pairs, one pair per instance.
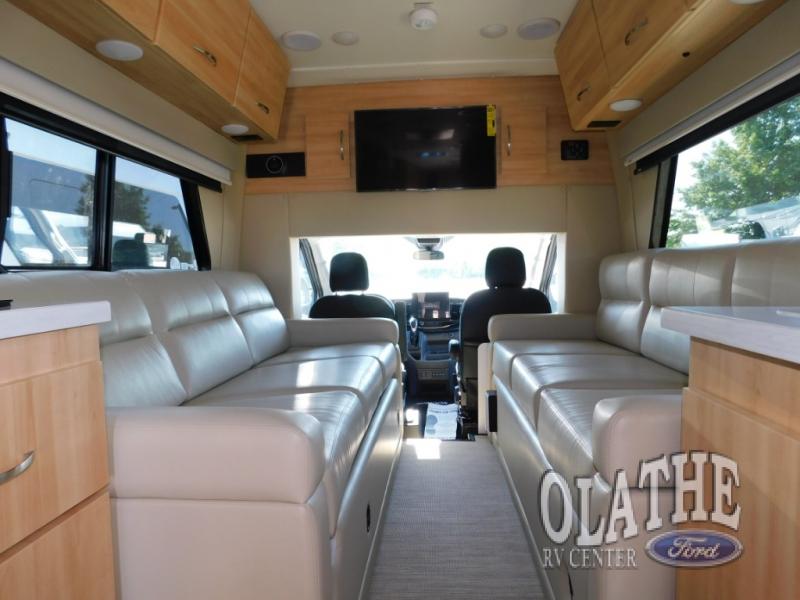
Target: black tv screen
{"points": [[425, 149]]}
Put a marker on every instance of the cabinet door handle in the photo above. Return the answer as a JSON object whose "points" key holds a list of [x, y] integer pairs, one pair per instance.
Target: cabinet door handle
{"points": [[27, 461], [582, 92], [636, 29], [341, 144], [263, 107], [208, 55], [508, 140]]}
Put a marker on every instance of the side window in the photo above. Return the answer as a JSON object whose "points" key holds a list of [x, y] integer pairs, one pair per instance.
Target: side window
{"points": [[51, 221], [742, 184], [150, 229]]}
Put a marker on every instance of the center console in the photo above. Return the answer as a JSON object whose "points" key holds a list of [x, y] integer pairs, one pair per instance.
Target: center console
{"points": [[433, 322]]}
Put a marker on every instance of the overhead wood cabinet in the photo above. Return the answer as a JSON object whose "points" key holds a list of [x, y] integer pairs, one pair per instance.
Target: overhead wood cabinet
{"points": [[207, 38], [213, 59], [262, 78], [639, 49]]}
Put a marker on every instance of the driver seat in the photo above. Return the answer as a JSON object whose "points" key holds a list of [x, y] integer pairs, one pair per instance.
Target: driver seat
{"points": [[349, 273], [505, 275]]}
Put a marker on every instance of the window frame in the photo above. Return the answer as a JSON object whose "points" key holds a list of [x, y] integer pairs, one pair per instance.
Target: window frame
{"points": [[666, 158], [108, 149]]}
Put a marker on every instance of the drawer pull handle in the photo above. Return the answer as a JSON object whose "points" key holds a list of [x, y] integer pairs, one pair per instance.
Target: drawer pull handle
{"points": [[27, 461], [636, 29], [582, 92], [508, 140], [341, 144], [263, 107], [209, 56]]}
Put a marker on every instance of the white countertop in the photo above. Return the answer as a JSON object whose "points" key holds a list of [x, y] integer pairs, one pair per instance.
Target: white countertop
{"points": [[770, 331], [16, 322]]}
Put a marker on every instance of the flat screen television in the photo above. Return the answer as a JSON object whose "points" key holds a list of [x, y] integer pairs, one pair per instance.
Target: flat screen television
{"points": [[425, 149]]}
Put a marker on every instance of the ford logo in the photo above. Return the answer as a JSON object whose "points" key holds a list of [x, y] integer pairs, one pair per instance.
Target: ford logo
{"points": [[694, 548]]}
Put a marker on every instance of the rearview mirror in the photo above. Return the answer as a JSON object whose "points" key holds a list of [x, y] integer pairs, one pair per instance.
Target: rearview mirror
{"points": [[428, 255]]}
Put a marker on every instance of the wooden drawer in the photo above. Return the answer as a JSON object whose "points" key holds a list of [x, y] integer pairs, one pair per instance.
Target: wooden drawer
{"points": [[263, 77], [59, 417], [207, 39], [523, 143], [70, 560], [581, 65], [629, 29]]}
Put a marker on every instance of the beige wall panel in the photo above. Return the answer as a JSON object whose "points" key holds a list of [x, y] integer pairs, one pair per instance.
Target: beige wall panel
{"points": [[592, 233]]}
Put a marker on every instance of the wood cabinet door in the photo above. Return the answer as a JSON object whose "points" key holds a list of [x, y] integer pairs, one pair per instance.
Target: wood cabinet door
{"points": [[71, 559], [582, 68], [629, 29], [207, 38], [263, 77], [141, 14], [328, 146], [523, 144]]}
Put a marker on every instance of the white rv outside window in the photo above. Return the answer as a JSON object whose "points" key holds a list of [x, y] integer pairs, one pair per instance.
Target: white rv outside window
{"points": [[52, 200], [743, 184]]}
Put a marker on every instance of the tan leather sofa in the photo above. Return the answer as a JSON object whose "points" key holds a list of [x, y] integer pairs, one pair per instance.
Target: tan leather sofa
{"points": [[250, 455], [587, 395]]}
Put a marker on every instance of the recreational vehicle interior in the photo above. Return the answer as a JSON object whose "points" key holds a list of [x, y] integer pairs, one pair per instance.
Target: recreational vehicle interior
{"points": [[357, 300]]}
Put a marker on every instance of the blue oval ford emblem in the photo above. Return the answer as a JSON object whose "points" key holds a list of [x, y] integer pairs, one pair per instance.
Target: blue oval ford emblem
{"points": [[694, 548]]}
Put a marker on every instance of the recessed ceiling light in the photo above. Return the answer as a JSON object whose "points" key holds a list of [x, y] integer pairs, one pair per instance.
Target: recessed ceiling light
{"points": [[345, 38], [235, 129], [303, 41], [625, 105], [539, 29], [494, 31], [119, 50], [423, 18]]}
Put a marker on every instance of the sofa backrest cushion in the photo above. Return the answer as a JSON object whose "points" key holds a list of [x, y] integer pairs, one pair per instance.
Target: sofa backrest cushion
{"points": [[624, 298], [251, 304], [684, 277], [136, 367], [767, 274], [192, 320]]}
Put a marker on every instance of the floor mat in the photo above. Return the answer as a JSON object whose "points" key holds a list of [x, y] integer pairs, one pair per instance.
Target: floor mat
{"points": [[441, 421], [451, 530]]}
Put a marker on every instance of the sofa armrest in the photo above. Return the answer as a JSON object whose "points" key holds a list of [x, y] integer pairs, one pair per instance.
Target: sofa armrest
{"points": [[214, 453], [557, 326], [627, 430], [327, 332]]}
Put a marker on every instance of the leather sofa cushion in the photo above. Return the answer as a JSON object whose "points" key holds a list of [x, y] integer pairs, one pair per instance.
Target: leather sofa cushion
{"points": [[504, 353], [767, 274], [624, 298], [343, 428], [384, 353], [564, 426], [251, 304], [530, 374], [360, 375], [700, 277]]}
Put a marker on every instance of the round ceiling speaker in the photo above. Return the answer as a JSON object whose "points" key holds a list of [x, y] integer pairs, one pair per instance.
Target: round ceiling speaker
{"points": [[423, 18], [235, 129], [119, 50], [539, 29], [304, 41], [494, 31], [345, 38], [625, 105]]}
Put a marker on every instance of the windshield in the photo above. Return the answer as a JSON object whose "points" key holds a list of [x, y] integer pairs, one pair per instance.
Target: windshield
{"points": [[394, 272]]}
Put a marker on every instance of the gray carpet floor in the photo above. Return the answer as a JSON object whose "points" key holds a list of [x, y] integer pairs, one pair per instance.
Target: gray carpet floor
{"points": [[451, 531]]}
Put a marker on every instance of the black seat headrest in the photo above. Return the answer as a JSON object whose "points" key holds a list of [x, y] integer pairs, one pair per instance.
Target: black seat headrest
{"points": [[130, 254], [349, 273], [505, 268]]}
